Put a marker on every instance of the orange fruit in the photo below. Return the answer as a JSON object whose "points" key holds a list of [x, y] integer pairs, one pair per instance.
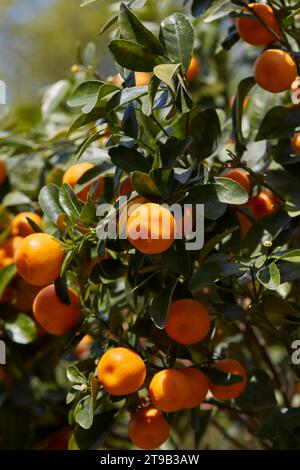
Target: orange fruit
{"points": [[121, 371], [245, 223], [8, 250], [3, 172], [265, 203], [229, 392], [151, 228], [25, 295], [59, 440], [83, 348], [52, 314], [275, 70], [198, 385], [194, 69], [252, 31], [126, 187], [75, 172], [148, 429], [295, 142], [20, 225], [188, 321], [142, 78], [239, 175], [169, 390], [39, 259]]}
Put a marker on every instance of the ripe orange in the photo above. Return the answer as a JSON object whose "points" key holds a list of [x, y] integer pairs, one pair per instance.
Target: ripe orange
{"points": [[252, 31], [228, 392], [126, 187], [54, 316], [194, 69], [148, 429], [169, 390], [198, 384], [151, 228], [83, 348], [8, 250], [245, 223], [295, 142], [265, 203], [121, 371], [239, 175], [142, 78], [25, 295], [39, 259], [20, 225], [75, 172], [3, 172], [188, 321], [275, 70]]}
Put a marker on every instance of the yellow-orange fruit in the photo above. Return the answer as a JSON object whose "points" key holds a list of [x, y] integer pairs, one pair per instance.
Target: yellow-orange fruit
{"points": [[83, 348], [188, 321], [265, 203], [3, 172], [198, 384], [142, 78], [151, 228], [295, 142], [148, 429], [8, 250], [75, 172], [121, 371], [20, 225], [252, 31], [52, 314], [39, 259], [229, 392], [194, 69], [169, 390], [275, 70]]}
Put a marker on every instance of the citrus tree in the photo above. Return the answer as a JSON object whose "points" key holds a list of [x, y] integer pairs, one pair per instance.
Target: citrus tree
{"points": [[142, 338]]}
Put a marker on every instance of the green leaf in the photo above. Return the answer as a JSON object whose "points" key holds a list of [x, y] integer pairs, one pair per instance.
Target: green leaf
{"points": [[172, 149], [177, 258], [231, 312], [83, 119], [132, 29], [122, 97], [278, 123], [84, 413], [134, 56], [54, 96], [237, 111], [161, 178], [144, 184], [166, 73], [92, 438], [213, 271], [110, 22], [210, 244], [15, 198], [177, 37], [205, 130], [85, 95], [110, 269], [6, 275], [75, 376], [22, 329], [61, 290], [129, 159], [259, 392], [269, 276], [230, 193], [88, 212], [69, 201], [49, 202], [218, 377], [160, 304]]}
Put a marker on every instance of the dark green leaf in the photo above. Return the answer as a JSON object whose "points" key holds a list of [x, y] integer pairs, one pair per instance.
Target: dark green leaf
{"points": [[205, 130], [177, 37], [128, 159], [237, 111], [144, 184], [269, 276], [6, 275], [278, 123], [134, 56], [69, 201], [49, 202], [160, 304], [83, 413], [213, 271]]}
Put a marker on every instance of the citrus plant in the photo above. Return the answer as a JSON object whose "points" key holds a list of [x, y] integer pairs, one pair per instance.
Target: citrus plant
{"points": [[149, 341]]}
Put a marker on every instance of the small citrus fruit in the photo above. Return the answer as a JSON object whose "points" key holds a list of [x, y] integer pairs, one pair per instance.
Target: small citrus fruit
{"points": [[3, 172], [39, 259], [265, 203], [121, 371], [52, 314], [194, 69], [229, 392], [252, 31], [20, 225], [169, 390], [75, 172], [199, 386], [148, 429], [239, 175], [188, 321], [275, 70], [142, 78]]}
